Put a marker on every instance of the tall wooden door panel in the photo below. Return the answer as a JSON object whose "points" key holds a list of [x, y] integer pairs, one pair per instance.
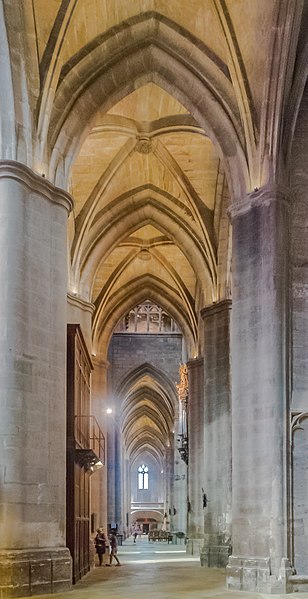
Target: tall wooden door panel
{"points": [[78, 476]]}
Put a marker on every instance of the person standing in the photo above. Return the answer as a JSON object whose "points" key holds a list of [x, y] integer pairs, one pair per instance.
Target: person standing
{"points": [[100, 544], [113, 549]]}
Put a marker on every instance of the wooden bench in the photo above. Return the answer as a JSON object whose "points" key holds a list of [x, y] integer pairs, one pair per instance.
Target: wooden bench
{"points": [[160, 535]]}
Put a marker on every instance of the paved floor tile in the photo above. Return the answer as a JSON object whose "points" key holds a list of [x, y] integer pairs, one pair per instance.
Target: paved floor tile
{"points": [[157, 571]]}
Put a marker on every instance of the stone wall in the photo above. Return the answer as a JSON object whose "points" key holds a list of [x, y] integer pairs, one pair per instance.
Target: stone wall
{"points": [[127, 352]]}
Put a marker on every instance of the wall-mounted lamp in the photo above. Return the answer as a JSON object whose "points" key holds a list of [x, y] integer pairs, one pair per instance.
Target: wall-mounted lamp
{"points": [[88, 459], [96, 466]]}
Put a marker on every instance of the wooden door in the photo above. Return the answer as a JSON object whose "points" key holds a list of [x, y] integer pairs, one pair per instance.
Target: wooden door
{"points": [[78, 476]]}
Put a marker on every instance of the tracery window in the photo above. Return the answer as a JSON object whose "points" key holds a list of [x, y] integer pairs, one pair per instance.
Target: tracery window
{"points": [[143, 477], [147, 318]]}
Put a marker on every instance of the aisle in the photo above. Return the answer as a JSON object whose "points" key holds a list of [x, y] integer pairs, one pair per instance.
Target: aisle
{"points": [[143, 552], [157, 571]]}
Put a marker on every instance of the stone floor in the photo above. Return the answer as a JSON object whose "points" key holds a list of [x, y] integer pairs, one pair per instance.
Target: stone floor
{"points": [[157, 571]]}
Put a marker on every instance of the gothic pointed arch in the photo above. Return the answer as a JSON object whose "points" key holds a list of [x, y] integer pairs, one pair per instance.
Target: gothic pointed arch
{"points": [[102, 74], [148, 411], [148, 405], [297, 90], [138, 291], [133, 130], [157, 375], [139, 455], [137, 210]]}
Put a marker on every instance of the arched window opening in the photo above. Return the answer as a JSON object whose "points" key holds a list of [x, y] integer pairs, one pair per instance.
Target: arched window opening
{"points": [[143, 477], [147, 318]]}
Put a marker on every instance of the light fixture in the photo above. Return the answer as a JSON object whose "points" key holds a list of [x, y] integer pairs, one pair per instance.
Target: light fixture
{"points": [[88, 459], [109, 411], [96, 466]]}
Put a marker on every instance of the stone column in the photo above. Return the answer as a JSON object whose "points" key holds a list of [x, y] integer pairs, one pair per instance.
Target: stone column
{"points": [[216, 478], [33, 285], [259, 355], [114, 472], [180, 496], [99, 405], [179, 508], [126, 496], [169, 482], [196, 455]]}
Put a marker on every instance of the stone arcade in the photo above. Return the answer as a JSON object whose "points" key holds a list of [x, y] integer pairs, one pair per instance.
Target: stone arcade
{"points": [[153, 226]]}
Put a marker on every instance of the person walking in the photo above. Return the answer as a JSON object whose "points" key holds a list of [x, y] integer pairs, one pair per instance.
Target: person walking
{"points": [[113, 549], [100, 544]]}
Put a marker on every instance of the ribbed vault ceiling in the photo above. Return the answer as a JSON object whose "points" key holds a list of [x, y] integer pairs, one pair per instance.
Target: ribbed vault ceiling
{"points": [[149, 112], [148, 411]]}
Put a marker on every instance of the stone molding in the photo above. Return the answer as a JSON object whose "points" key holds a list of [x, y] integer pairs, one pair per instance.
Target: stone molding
{"points": [[296, 419], [78, 302], [298, 584], [11, 169], [263, 196], [216, 308]]}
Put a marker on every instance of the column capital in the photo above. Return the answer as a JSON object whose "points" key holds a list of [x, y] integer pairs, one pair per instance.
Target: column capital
{"points": [[11, 169], [263, 196], [195, 363], [99, 362], [216, 308]]}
